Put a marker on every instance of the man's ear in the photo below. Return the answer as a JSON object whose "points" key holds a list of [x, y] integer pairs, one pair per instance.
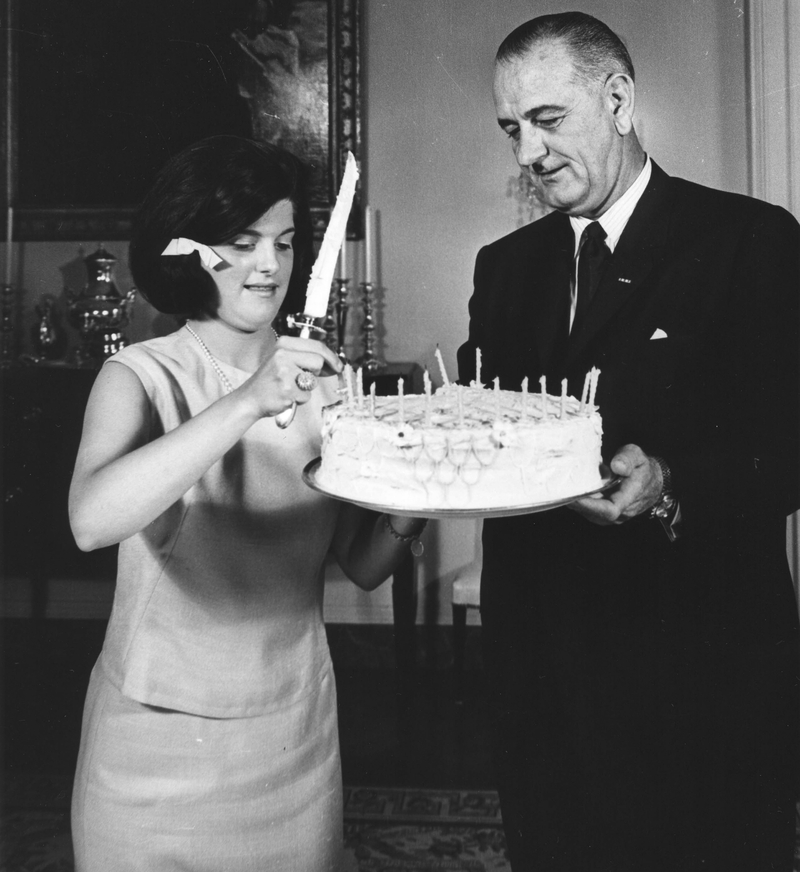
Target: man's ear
{"points": [[621, 96]]}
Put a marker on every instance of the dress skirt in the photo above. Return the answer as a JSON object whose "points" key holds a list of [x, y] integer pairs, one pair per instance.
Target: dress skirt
{"points": [[166, 790]]}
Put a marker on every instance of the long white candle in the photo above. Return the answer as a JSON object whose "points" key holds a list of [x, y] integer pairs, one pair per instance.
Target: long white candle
{"points": [[319, 285], [563, 410], [478, 367], [343, 261], [369, 244]]}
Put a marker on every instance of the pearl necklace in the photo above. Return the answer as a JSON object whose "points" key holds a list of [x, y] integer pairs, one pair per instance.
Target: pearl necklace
{"points": [[226, 383]]}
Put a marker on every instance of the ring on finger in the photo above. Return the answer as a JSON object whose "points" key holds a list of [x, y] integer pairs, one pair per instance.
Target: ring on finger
{"points": [[306, 380]]}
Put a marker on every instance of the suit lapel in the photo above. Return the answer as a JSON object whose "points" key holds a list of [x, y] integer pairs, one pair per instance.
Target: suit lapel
{"points": [[640, 247]]}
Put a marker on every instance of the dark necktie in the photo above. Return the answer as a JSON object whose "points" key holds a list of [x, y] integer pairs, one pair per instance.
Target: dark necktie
{"points": [[592, 259]]}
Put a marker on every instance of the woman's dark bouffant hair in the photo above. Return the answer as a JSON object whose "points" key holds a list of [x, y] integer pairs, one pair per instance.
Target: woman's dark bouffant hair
{"points": [[210, 192]]}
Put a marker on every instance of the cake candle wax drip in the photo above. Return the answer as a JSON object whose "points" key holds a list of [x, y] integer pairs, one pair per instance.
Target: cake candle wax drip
{"points": [[479, 449]]}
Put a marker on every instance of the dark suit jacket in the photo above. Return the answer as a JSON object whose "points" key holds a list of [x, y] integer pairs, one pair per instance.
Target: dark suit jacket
{"points": [[568, 606]]}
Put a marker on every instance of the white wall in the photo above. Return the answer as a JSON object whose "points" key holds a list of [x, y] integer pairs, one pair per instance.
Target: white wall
{"points": [[437, 168]]}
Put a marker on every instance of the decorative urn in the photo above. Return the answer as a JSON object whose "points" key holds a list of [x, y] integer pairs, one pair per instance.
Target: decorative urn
{"points": [[100, 311]]}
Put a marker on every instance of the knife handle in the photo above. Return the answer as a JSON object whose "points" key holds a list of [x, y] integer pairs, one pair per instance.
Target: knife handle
{"points": [[305, 325]]}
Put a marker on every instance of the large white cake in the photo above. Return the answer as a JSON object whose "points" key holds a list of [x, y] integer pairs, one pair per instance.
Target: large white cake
{"points": [[461, 448]]}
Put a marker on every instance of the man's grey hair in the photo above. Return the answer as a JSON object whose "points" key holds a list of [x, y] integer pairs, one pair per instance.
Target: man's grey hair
{"points": [[596, 50]]}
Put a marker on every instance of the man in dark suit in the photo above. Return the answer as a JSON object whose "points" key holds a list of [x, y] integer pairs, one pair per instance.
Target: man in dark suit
{"points": [[642, 643]]}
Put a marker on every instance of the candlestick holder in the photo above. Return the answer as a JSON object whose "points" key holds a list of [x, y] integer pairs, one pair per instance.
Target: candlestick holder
{"points": [[340, 307], [369, 359]]}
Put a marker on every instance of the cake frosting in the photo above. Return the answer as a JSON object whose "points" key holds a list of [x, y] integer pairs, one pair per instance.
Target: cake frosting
{"points": [[461, 447]]}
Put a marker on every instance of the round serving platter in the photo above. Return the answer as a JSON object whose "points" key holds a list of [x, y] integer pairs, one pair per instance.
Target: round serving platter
{"points": [[310, 478]]}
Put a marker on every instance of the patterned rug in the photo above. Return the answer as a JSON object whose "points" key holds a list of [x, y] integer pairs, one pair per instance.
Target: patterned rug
{"points": [[385, 829], [390, 829]]}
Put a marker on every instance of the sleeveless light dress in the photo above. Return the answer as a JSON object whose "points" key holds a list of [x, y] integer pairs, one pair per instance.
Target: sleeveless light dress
{"points": [[209, 738]]}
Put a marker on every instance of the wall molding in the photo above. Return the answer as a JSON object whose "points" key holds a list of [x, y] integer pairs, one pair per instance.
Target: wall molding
{"points": [[773, 101]]}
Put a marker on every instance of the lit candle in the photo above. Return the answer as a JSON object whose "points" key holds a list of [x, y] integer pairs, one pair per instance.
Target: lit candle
{"points": [[543, 386], [477, 366], [369, 245], [525, 398], [563, 398], [445, 379]]}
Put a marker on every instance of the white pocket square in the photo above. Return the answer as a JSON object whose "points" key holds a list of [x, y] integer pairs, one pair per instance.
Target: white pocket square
{"points": [[659, 334]]}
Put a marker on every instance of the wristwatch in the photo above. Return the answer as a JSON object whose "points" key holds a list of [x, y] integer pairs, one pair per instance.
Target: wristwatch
{"points": [[666, 508]]}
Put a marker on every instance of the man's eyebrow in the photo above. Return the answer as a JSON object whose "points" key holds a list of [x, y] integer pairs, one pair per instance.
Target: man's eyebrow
{"points": [[534, 113]]}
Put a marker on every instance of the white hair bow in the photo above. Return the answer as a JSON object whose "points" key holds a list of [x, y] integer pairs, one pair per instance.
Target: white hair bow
{"points": [[186, 246]]}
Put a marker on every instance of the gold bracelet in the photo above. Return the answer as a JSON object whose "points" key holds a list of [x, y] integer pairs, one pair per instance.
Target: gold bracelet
{"points": [[413, 540]]}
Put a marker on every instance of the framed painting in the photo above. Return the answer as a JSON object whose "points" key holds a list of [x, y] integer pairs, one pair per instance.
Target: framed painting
{"points": [[102, 92]]}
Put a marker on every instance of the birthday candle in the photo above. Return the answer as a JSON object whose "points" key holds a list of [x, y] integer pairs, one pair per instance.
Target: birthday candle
{"points": [[593, 386], [525, 398], [477, 366], [348, 381], [585, 393], [563, 398], [543, 386], [426, 380], [445, 379], [360, 386], [372, 399], [400, 404], [496, 397]]}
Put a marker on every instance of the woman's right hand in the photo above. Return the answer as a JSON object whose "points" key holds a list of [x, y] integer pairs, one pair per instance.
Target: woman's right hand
{"points": [[274, 386]]}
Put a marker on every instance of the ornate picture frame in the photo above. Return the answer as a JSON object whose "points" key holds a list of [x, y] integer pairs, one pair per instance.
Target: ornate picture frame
{"points": [[102, 93]]}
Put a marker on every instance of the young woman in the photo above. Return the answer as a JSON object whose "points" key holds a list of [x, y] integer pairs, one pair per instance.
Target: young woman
{"points": [[210, 736]]}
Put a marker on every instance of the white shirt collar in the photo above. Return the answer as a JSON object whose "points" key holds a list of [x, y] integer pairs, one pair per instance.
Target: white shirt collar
{"points": [[614, 219]]}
